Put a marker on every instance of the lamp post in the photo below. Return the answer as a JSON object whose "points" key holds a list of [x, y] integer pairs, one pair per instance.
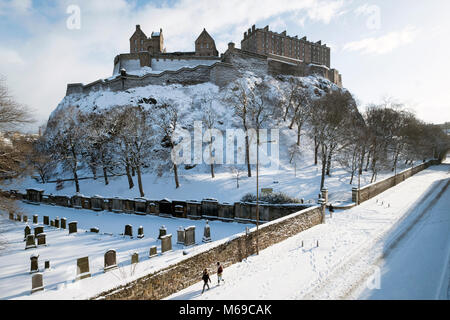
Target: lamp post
{"points": [[257, 189]]}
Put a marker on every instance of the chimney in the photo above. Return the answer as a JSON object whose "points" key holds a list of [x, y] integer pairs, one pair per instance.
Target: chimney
{"points": [[253, 28], [266, 28], [245, 35], [231, 46], [249, 31], [160, 30], [138, 27]]}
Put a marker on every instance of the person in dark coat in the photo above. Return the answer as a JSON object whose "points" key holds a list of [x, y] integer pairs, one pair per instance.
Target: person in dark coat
{"points": [[331, 208], [205, 279], [219, 273]]}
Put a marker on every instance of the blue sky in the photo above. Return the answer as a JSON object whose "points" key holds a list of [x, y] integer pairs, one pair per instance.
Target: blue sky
{"points": [[383, 48]]}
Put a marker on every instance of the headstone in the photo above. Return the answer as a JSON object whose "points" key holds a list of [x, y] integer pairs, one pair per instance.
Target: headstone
{"points": [[207, 233], [47, 264], [37, 283], [63, 223], [11, 216], [166, 243], [153, 252], [31, 242], [34, 263], [52, 223], [27, 231], [189, 236], [35, 218], [180, 235], [19, 217], [128, 230], [41, 241], [82, 267], [95, 230], [25, 218], [110, 260], [57, 222], [46, 220], [162, 232], [73, 227], [134, 258], [140, 232], [38, 230]]}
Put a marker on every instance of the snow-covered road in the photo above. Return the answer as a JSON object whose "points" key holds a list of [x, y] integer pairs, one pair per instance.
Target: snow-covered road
{"points": [[395, 246]]}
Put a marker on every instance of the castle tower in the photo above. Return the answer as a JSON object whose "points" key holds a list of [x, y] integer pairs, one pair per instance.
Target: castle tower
{"points": [[205, 45], [139, 42]]}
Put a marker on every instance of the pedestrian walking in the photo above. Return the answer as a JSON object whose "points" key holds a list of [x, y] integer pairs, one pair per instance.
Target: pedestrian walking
{"points": [[219, 273], [205, 279]]}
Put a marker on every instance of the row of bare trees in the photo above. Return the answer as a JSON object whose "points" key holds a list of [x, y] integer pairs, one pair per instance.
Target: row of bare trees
{"points": [[133, 139]]}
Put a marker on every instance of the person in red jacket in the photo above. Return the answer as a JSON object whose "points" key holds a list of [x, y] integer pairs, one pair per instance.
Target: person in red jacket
{"points": [[219, 273]]}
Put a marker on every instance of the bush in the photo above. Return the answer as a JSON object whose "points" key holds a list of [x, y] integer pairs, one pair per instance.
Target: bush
{"points": [[272, 198]]}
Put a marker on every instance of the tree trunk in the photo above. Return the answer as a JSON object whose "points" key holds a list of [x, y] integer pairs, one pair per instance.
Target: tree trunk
{"points": [[75, 167], [94, 172], [105, 175], [329, 162], [247, 155], [133, 171], [210, 158], [141, 189], [324, 162], [175, 171], [316, 150], [299, 132], [361, 163], [130, 179]]}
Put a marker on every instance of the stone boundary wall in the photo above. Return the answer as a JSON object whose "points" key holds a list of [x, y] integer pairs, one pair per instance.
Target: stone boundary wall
{"points": [[374, 189], [210, 209], [187, 272]]}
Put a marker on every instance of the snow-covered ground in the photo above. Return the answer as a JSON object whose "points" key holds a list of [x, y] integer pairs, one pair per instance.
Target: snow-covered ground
{"points": [[402, 235], [64, 249]]}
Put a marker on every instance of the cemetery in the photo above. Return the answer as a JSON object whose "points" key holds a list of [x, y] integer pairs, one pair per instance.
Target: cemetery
{"points": [[83, 244]]}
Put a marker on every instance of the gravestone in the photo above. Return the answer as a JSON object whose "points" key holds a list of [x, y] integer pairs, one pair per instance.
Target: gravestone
{"points": [[25, 218], [110, 260], [34, 263], [166, 243], [31, 242], [46, 220], [153, 252], [116, 205], [207, 233], [38, 230], [162, 232], [134, 258], [189, 236], [19, 217], [128, 230], [35, 218], [63, 223], [47, 264], [52, 223], [37, 283], [57, 222], [73, 227], [27, 231], [95, 230], [11, 216], [97, 203], [41, 239], [140, 206], [82, 268], [140, 232], [180, 235], [165, 207]]}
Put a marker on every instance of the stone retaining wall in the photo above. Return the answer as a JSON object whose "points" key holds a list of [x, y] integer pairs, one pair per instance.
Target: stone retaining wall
{"points": [[374, 189], [176, 277]]}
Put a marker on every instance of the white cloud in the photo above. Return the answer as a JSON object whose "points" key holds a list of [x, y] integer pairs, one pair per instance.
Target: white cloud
{"points": [[325, 11], [19, 7], [383, 44]]}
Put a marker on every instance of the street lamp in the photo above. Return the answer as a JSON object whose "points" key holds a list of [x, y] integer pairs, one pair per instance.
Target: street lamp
{"points": [[257, 189]]}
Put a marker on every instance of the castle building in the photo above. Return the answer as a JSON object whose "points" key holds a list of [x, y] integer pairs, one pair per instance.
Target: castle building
{"points": [[205, 45], [139, 42], [264, 41]]}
